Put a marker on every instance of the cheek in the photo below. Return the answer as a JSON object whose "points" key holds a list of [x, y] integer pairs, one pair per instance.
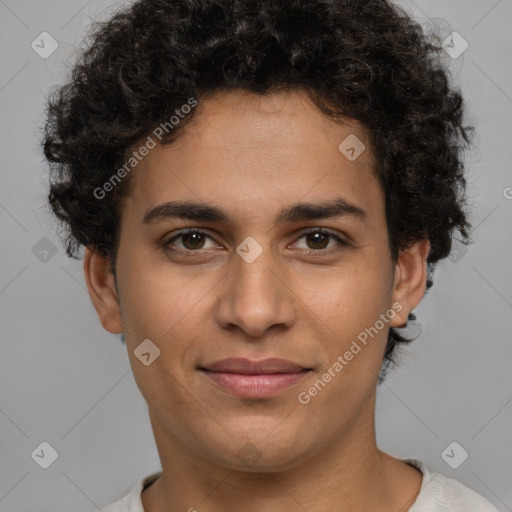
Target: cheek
{"points": [[162, 307], [347, 299], [157, 296], [347, 305]]}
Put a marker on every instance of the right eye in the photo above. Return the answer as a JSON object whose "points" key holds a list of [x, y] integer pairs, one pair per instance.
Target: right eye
{"points": [[192, 240]]}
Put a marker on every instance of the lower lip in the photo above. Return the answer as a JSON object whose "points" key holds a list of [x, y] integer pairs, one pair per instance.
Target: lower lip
{"points": [[254, 386]]}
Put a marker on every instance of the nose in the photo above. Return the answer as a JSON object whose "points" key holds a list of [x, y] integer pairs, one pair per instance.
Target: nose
{"points": [[254, 297]]}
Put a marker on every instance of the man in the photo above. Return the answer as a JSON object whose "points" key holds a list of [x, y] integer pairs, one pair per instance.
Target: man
{"points": [[263, 190]]}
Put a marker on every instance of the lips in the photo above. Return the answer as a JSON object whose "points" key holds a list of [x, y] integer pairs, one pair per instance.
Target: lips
{"points": [[249, 367], [245, 378]]}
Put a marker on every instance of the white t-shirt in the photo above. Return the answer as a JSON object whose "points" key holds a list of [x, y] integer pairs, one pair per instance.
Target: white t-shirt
{"points": [[438, 494]]}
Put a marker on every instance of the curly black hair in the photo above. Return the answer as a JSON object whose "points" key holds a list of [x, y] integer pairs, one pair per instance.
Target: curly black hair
{"points": [[362, 59]]}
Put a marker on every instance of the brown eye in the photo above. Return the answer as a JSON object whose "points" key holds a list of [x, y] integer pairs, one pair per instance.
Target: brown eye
{"points": [[318, 240], [191, 240]]}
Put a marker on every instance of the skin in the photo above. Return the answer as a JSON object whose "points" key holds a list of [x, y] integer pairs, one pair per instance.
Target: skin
{"points": [[252, 156]]}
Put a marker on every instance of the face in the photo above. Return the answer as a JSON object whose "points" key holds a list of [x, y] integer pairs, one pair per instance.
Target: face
{"points": [[257, 277]]}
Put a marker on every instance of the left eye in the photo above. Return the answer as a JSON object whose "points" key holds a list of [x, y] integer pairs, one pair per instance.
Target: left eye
{"points": [[193, 240], [318, 239]]}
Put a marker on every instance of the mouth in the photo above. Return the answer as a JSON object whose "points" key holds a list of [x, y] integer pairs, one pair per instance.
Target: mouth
{"points": [[245, 378]]}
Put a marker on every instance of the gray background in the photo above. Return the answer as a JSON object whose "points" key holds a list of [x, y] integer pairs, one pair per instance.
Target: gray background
{"points": [[66, 381]]}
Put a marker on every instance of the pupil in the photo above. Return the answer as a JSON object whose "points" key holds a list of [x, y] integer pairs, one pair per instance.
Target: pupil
{"points": [[318, 238], [189, 236]]}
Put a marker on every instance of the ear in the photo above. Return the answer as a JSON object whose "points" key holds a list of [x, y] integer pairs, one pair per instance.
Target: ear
{"points": [[102, 290], [410, 280]]}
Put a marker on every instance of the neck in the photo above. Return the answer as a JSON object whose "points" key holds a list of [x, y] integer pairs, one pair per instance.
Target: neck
{"points": [[348, 473]]}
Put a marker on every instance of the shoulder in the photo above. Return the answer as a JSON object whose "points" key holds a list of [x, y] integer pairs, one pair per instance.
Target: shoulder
{"points": [[132, 501], [439, 494]]}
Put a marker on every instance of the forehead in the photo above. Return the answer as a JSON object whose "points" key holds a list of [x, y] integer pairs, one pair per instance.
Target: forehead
{"points": [[282, 123], [248, 149]]}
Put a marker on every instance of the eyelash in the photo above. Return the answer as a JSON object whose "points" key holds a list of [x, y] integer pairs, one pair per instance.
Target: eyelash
{"points": [[188, 252]]}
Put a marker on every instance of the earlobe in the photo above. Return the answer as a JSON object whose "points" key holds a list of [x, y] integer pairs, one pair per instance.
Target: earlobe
{"points": [[102, 290], [410, 280]]}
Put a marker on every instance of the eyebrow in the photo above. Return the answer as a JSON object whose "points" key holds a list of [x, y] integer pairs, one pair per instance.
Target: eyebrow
{"points": [[204, 212]]}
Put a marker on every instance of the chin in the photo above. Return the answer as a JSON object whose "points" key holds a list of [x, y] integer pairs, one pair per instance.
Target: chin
{"points": [[253, 452]]}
